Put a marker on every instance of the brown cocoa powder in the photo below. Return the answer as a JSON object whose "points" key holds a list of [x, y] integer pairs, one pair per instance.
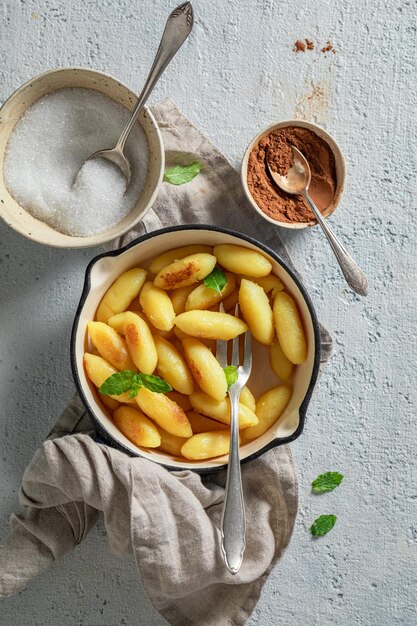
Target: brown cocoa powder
{"points": [[328, 47], [276, 146], [299, 46]]}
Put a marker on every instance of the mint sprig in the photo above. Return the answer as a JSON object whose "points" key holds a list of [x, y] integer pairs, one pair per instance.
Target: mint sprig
{"points": [[136, 385], [216, 280], [118, 383], [326, 482], [155, 383], [126, 380], [180, 174], [322, 525], [230, 371]]}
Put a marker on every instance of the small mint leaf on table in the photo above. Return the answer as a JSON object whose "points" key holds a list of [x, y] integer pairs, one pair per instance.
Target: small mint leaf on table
{"points": [[118, 383], [180, 174], [216, 280], [326, 482], [322, 525], [155, 383], [230, 372]]}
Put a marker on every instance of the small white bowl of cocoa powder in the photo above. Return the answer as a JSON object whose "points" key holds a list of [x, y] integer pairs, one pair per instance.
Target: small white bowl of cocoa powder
{"points": [[327, 166]]}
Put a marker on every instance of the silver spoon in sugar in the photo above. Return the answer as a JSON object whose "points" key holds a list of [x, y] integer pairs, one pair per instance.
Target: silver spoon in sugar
{"points": [[297, 181], [177, 28]]}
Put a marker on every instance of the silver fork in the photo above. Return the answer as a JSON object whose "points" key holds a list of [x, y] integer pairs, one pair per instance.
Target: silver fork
{"points": [[233, 525]]}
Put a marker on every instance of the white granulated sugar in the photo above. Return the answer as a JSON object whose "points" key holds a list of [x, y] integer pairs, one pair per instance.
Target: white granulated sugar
{"points": [[49, 145]]}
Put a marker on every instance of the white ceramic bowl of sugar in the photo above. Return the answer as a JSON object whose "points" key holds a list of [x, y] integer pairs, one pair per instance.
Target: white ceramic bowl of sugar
{"points": [[69, 78]]}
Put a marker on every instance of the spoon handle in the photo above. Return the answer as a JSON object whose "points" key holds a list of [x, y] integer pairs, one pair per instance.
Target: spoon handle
{"points": [[355, 277], [177, 29]]}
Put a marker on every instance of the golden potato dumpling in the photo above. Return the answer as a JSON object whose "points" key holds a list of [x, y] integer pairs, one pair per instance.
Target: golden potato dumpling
{"points": [[98, 370], [172, 366], [280, 365], [205, 368], [186, 271], [110, 345], [181, 399], [164, 412], [139, 340], [256, 311], [166, 334], [220, 410], [210, 324], [122, 292], [268, 283], [241, 260], [231, 301], [109, 402], [269, 408], [179, 298], [289, 328], [202, 424], [203, 297], [166, 258], [206, 445], [171, 444], [181, 335], [247, 398], [136, 427], [157, 306]]}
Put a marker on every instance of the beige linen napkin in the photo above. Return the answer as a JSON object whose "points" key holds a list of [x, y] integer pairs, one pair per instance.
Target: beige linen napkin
{"points": [[169, 520]]}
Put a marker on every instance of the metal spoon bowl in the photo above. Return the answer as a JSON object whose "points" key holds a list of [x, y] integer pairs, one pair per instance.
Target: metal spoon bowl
{"points": [[297, 182], [177, 28]]}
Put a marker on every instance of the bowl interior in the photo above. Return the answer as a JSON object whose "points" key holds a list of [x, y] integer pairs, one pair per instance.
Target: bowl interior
{"points": [[339, 163], [103, 273], [16, 106]]}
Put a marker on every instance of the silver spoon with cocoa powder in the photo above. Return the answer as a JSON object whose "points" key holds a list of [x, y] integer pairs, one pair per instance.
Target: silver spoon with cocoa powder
{"points": [[297, 181]]}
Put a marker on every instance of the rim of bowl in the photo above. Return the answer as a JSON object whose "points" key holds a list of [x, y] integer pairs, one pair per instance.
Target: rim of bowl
{"points": [[339, 160], [99, 238], [101, 429]]}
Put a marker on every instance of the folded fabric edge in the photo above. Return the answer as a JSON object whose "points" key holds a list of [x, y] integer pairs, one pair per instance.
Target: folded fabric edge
{"points": [[22, 556]]}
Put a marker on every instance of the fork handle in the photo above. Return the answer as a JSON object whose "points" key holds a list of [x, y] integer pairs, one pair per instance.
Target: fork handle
{"points": [[233, 525], [177, 29]]}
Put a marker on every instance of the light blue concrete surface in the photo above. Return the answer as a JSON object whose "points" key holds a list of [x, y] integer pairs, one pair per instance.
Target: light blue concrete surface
{"points": [[238, 74]]}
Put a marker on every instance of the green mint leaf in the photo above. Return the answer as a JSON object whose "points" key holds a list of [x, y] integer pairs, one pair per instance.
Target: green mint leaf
{"points": [[216, 280], [231, 374], [127, 380], [154, 383], [180, 174], [326, 482], [322, 525], [136, 385], [117, 383]]}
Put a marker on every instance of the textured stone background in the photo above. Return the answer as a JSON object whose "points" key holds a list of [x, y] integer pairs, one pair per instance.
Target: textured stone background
{"points": [[237, 74]]}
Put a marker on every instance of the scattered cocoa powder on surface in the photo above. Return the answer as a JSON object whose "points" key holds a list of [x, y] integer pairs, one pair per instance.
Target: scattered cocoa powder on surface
{"points": [[328, 47], [299, 46], [276, 147]]}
